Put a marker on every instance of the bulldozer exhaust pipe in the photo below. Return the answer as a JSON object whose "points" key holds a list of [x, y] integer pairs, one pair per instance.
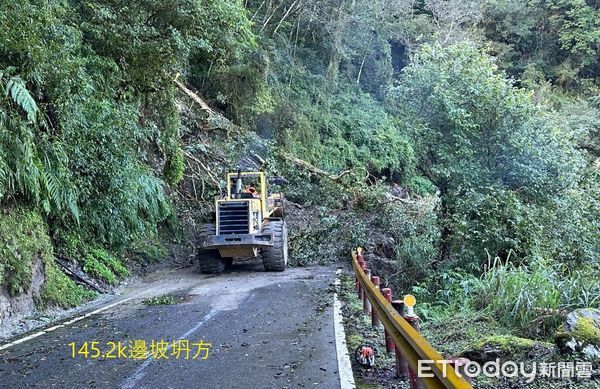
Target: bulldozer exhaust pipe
{"points": [[238, 185]]}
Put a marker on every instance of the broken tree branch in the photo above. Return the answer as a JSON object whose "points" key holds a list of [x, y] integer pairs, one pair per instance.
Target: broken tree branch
{"points": [[214, 120], [313, 169], [286, 15], [205, 107], [210, 174], [396, 198], [77, 275], [269, 18], [337, 178], [258, 9]]}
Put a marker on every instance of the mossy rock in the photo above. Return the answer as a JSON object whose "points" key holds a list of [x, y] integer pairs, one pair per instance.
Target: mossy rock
{"points": [[581, 334], [505, 343], [500, 346]]}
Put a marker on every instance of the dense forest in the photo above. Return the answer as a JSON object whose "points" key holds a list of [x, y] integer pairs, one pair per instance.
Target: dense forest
{"points": [[465, 132]]}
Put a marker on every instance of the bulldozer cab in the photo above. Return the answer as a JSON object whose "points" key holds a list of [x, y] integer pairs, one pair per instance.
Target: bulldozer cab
{"points": [[248, 185], [253, 186]]}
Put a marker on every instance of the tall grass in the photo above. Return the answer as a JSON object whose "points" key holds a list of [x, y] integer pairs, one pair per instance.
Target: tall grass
{"points": [[530, 298], [534, 297]]}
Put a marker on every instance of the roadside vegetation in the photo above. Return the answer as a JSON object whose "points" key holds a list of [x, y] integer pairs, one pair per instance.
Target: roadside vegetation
{"points": [[459, 141], [165, 299]]}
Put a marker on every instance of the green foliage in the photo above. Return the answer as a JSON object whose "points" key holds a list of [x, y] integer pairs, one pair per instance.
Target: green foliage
{"points": [[165, 299], [502, 222], [559, 37], [453, 332], [583, 116], [174, 167], [578, 27], [94, 267], [327, 240], [512, 185], [102, 264], [571, 232], [447, 292], [60, 290], [422, 186], [121, 197], [91, 134], [240, 88], [490, 167], [490, 220], [83, 109], [502, 165], [344, 129], [414, 226], [472, 127], [147, 250], [95, 260], [30, 164], [114, 264], [16, 89], [167, 33]]}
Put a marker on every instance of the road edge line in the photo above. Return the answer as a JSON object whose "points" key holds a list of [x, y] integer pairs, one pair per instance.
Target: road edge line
{"points": [[65, 322], [345, 373]]}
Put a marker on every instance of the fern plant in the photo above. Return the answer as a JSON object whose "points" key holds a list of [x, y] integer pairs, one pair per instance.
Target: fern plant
{"points": [[17, 90], [31, 166]]}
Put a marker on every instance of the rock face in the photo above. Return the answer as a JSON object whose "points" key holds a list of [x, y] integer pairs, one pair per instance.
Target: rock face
{"points": [[23, 304], [24, 243], [581, 334]]}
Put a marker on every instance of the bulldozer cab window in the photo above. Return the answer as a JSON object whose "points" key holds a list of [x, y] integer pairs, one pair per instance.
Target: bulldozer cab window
{"points": [[250, 188], [250, 192]]}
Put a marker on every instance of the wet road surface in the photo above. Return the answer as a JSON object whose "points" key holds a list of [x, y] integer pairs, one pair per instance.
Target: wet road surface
{"points": [[265, 330]]}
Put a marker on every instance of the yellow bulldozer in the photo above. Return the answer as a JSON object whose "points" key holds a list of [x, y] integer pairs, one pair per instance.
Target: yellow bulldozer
{"points": [[248, 222]]}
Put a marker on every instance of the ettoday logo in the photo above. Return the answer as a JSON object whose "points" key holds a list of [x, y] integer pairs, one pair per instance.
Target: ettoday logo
{"points": [[510, 369]]}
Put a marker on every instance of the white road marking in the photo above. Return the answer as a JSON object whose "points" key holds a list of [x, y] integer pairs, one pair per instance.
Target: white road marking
{"points": [[343, 359], [139, 373], [69, 322]]}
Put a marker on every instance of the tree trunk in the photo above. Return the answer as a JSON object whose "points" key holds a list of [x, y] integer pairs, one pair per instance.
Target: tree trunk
{"points": [[334, 56]]}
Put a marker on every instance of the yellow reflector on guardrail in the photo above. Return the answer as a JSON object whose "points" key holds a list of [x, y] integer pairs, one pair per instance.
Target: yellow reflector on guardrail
{"points": [[410, 300]]}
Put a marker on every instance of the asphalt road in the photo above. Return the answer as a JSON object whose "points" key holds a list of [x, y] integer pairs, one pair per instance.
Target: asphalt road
{"points": [[266, 330]]}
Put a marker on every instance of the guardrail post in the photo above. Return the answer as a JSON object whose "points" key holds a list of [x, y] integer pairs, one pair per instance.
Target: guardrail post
{"points": [[401, 363], [363, 266], [360, 256], [356, 281], [389, 343], [366, 302], [374, 319], [415, 382]]}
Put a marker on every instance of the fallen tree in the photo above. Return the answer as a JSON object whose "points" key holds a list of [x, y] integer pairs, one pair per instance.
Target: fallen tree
{"points": [[338, 178], [315, 170], [214, 120]]}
